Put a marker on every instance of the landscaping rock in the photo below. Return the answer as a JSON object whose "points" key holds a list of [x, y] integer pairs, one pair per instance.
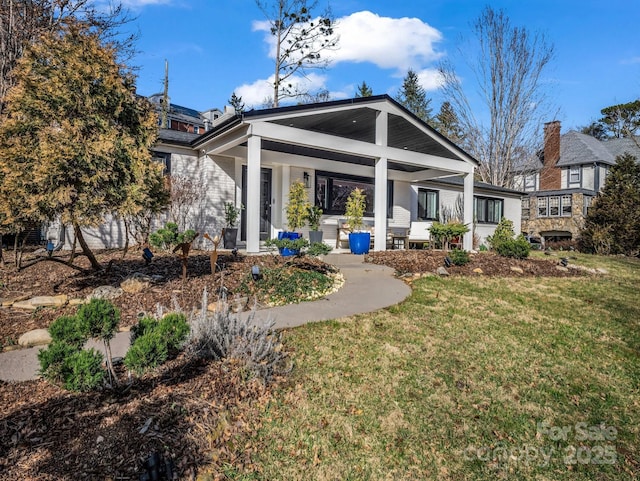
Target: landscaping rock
{"points": [[517, 269], [135, 283], [37, 337], [441, 271], [41, 301], [562, 268], [11, 299], [77, 302], [106, 292], [602, 270], [477, 270]]}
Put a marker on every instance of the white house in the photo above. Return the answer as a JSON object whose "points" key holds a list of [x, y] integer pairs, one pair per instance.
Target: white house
{"points": [[408, 170]]}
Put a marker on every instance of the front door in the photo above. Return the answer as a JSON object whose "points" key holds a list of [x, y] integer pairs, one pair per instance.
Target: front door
{"points": [[265, 204]]}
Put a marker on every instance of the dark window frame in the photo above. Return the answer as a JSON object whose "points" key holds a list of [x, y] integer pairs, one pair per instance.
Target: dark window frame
{"points": [[330, 177], [488, 214], [165, 158], [437, 207]]}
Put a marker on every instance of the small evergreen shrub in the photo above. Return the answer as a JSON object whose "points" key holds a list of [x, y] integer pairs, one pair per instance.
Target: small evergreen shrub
{"points": [[84, 371], [518, 248], [169, 236], [99, 318], [53, 361], [147, 352], [68, 329], [459, 257], [174, 329], [318, 249]]}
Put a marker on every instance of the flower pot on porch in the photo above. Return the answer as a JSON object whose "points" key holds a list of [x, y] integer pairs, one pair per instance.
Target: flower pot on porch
{"points": [[229, 236], [359, 242], [315, 236], [285, 251]]}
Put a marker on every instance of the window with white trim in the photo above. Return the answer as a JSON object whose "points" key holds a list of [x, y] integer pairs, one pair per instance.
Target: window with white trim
{"points": [[526, 208], [574, 174], [543, 210], [587, 200], [565, 203], [554, 206]]}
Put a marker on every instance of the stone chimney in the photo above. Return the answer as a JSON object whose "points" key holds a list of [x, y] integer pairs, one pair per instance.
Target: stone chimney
{"points": [[550, 175]]}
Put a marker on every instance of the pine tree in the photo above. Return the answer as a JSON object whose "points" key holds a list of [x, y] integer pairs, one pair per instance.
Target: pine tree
{"points": [[413, 96], [237, 103], [364, 90], [447, 123], [613, 223], [75, 143]]}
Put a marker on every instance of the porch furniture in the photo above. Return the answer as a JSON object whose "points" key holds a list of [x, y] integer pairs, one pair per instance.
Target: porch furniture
{"points": [[342, 234], [419, 234], [399, 241]]}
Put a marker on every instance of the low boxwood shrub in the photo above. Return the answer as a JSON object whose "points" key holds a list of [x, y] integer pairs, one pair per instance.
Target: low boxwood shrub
{"points": [[147, 352], [518, 248]]}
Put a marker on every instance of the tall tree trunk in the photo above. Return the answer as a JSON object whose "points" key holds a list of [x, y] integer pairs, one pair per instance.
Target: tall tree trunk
{"points": [[85, 248], [1, 256]]}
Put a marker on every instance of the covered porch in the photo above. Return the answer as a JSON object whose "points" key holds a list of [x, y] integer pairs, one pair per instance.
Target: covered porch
{"points": [[331, 146]]}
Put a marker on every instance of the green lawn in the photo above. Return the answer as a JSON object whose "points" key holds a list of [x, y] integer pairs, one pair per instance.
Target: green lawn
{"points": [[470, 378]]}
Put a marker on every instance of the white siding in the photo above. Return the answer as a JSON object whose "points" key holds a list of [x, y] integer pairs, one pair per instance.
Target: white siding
{"points": [[564, 177], [588, 177]]}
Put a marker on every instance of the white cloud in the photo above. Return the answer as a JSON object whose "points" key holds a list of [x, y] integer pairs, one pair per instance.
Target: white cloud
{"points": [[391, 43], [255, 94], [430, 79]]}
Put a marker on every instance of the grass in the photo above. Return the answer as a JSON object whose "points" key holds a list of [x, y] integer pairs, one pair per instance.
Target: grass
{"points": [[470, 378]]}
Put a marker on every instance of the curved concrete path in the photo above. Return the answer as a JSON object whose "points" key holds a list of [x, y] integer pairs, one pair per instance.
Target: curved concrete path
{"points": [[367, 288]]}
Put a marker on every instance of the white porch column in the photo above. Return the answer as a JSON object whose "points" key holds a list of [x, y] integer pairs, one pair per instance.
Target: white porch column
{"points": [[380, 191], [284, 195], [253, 193], [468, 211]]}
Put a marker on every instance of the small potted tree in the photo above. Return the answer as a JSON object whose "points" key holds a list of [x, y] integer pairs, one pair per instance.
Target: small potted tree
{"points": [[314, 214], [230, 231], [354, 212], [296, 217]]}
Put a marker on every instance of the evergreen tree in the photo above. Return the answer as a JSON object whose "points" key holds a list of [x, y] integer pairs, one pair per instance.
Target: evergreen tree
{"points": [[237, 103], [621, 120], [613, 223], [413, 96], [595, 129], [75, 142], [364, 90], [446, 122]]}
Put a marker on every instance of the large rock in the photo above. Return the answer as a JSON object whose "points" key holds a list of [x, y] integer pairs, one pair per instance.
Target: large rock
{"points": [[106, 292], [41, 301], [517, 269], [441, 271], [477, 270], [37, 337]]}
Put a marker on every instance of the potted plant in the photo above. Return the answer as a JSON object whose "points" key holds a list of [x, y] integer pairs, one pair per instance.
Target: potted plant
{"points": [[230, 231], [314, 214], [356, 204], [296, 218]]}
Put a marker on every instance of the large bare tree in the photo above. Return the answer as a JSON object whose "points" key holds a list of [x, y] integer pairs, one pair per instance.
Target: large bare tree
{"points": [[300, 40], [502, 124]]}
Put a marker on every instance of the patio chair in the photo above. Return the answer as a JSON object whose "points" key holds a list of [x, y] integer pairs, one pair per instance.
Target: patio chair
{"points": [[419, 234]]}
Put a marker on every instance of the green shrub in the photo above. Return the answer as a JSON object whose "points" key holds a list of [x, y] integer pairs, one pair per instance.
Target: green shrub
{"points": [[53, 366], [68, 329], [318, 249], [99, 318], [165, 238], [459, 257], [145, 325], [83, 370], [442, 234], [174, 329], [502, 241], [517, 248], [147, 352]]}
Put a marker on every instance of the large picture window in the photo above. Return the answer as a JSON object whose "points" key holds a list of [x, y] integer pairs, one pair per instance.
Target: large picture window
{"points": [[332, 191], [428, 204], [488, 210]]}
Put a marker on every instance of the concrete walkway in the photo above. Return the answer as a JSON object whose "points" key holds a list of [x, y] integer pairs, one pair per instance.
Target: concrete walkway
{"points": [[367, 288]]}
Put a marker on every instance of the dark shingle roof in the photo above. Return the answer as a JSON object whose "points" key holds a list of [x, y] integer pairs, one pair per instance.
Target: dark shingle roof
{"points": [[621, 146], [176, 136], [457, 180], [577, 148]]}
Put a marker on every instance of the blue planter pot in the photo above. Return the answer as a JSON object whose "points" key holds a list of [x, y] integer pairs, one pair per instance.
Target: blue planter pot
{"points": [[285, 251], [359, 242]]}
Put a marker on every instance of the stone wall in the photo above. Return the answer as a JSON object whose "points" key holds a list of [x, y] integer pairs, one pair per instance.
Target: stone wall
{"points": [[537, 226]]}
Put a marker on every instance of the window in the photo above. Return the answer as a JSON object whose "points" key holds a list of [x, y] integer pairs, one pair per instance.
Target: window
{"points": [[530, 182], [566, 205], [542, 207], [526, 207], [554, 206], [586, 204], [332, 191], [574, 174], [488, 210], [428, 204], [165, 159]]}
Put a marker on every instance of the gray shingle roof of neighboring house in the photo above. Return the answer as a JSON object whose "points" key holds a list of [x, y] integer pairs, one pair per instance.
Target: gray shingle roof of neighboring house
{"points": [[577, 148], [620, 146], [176, 136], [477, 185]]}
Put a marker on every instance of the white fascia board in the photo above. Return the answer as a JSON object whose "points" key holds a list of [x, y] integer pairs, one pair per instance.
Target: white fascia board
{"points": [[227, 140], [355, 147], [427, 174], [377, 105]]}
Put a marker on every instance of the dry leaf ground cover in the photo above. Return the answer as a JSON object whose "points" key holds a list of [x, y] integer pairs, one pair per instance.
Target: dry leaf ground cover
{"points": [[470, 378]]}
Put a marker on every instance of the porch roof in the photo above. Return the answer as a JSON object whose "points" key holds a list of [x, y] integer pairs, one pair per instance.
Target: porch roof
{"points": [[343, 131]]}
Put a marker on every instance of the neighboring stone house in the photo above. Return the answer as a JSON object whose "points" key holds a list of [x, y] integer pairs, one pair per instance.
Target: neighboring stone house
{"points": [[570, 172]]}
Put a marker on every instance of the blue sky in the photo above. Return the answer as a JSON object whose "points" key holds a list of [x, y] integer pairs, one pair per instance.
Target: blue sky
{"points": [[216, 47]]}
